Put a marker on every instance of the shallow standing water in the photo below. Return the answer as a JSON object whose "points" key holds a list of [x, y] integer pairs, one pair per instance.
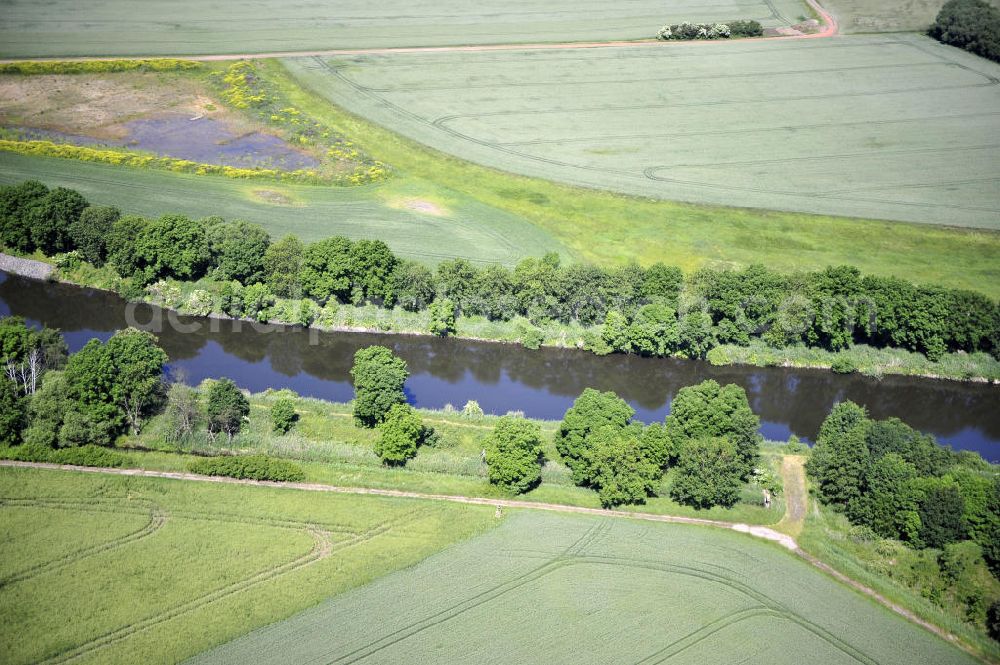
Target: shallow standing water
{"points": [[540, 383]]}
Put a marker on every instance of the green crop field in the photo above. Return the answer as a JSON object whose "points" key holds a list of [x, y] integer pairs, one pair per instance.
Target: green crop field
{"points": [[882, 127], [559, 589], [105, 569], [446, 225], [856, 16], [189, 27]]}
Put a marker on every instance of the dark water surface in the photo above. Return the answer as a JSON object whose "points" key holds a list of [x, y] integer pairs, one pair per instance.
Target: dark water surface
{"points": [[204, 140], [540, 383]]}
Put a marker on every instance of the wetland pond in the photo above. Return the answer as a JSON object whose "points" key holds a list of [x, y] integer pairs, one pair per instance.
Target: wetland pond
{"points": [[541, 384]]}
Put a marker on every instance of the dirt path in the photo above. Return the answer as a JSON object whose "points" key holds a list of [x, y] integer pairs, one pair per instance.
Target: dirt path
{"points": [[795, 513], [793, 477], [830, 28]]}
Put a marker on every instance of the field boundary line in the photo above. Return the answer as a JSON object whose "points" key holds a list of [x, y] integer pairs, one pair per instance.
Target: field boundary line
{"points": [[760, 532], [829, 23]]}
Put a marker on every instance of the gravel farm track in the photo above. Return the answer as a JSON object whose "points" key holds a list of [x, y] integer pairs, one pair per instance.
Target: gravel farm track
{"points": [[829, 23], [795, 513]]}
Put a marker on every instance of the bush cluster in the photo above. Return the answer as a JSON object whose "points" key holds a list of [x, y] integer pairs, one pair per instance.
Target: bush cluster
{"points": [[973, 25], [652, 311], [689, 31], [903, 485], [32, 67], [251, 467]]}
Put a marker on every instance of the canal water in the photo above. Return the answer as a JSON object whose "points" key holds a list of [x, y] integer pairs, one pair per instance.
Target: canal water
{"points": [[503, 378]]}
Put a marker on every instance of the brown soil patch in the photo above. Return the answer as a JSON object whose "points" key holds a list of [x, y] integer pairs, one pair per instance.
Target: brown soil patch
{"points": [[420, 205], [97, 104], [272, 197]]}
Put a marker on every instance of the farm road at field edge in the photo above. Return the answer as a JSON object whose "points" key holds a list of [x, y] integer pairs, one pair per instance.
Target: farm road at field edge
{"points": [[885, 127], [30, 29], [587, 590]]}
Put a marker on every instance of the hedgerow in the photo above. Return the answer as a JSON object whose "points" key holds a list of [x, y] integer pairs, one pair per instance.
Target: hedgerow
{"points": [[32, 67], [252, 467], [689, 31], [89, 455]]}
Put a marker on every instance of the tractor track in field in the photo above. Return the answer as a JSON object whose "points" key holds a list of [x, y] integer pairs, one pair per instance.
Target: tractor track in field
{"points": [[157, 520], [829, 23], [762, 532]]}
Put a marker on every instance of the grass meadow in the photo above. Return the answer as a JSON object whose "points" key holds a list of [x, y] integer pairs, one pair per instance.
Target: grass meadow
{"points": [[608, 228], [102, 569], [559, 589], [458, 226], [334, 451], [138, 27], [895, 128]]}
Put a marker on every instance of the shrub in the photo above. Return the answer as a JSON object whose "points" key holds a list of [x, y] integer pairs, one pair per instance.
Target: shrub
{"points": [[532, 338], [442, 317], [749, 28], [472, 410], [283, 415], [251, 467], [89, 455], [843, 365]]}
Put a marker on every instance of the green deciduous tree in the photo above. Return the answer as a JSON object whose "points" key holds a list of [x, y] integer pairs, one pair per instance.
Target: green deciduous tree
{"points": [[454, 279], [412, 285], [653, 331], [695, 335], [15, 202], [91, 231], [326, 269], [840, 460], [372, 265], [514, 454], [238, 249], [379, 376], [891, 499], [117, 382], [172, 246], [12, 413], [50, 219], [401, 431], [226, 407], [123, 244], [708, 410], [941, 513], [707, 474], [619, 468], [47, 410], [591, 411], [282, 267]]}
